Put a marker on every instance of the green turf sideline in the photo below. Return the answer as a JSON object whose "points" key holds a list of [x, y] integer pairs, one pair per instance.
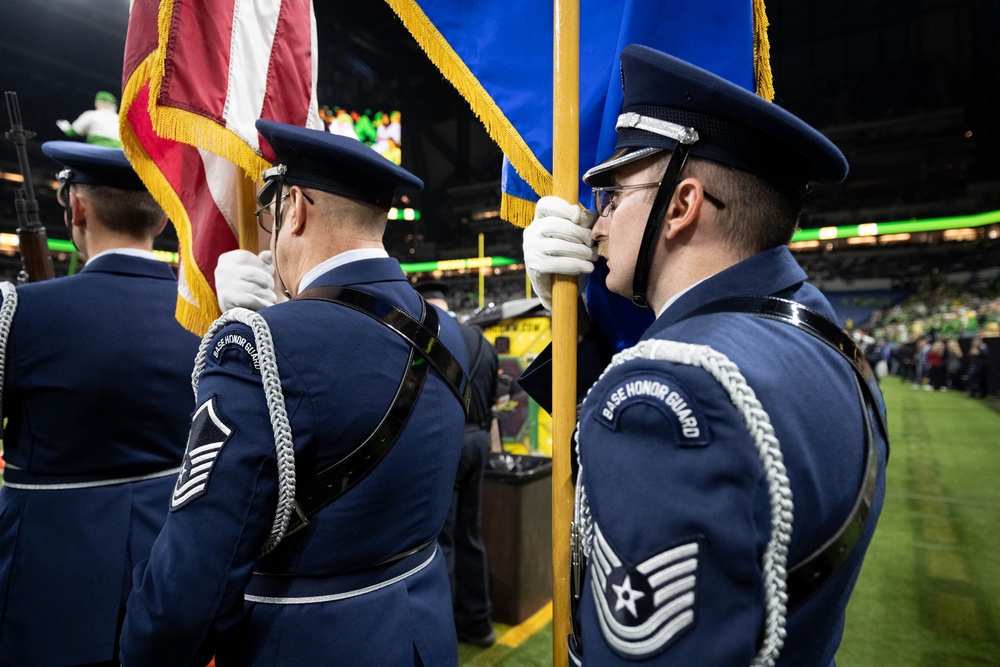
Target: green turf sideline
{"points": [[929, 593]]}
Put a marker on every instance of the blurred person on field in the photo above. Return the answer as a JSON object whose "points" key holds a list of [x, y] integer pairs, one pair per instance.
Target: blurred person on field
{"points": [[953, 363], [976, 385], [99, 126]]}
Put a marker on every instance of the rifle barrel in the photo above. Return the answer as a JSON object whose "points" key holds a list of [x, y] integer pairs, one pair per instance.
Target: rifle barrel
{"points": [[35, 258], [20, 138]]}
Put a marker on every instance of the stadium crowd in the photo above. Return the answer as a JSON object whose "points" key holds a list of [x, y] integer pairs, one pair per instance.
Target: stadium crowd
{"points": [[936, 340]]}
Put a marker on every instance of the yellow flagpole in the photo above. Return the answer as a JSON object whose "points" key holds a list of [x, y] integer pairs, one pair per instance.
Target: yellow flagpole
{"points": [[565, 179], [482, 282]]}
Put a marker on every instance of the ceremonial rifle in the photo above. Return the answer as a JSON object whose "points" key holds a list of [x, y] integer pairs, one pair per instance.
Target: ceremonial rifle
{"points": [[36, 263]]}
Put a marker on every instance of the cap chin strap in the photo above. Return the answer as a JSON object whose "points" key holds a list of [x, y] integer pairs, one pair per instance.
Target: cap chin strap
{"points": [[685, 137], [276, 174], [65, 178], [654, 223]]}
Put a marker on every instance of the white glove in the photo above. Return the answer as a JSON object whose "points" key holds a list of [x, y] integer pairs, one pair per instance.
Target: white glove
{"points": [[244, 280], [557, 242], [64, 125]]}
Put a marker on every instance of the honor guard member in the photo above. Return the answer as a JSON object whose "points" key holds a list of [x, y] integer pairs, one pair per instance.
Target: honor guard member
{"points": [[323, 448], [96, 390], [732, 463], [462, 537]]}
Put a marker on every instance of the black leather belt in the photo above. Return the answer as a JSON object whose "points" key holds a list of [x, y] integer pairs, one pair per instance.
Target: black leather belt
{"points": [[805, 578], [426, 350], [267, 588]]}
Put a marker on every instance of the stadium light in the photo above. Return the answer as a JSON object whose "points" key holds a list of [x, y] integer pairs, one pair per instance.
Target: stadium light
{"points": [[902, 227], [11, 242], [457, 264], [404, 214]]}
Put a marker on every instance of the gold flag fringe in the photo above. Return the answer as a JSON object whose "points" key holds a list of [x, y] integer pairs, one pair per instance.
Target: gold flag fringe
{"points": [[195, 130], [762, 53], [497, 126], [195, 317], [189, 127], [515, 210]]}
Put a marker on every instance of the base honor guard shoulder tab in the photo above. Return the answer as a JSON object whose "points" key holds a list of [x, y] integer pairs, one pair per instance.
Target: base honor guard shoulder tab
{"points": [[659, 390]]}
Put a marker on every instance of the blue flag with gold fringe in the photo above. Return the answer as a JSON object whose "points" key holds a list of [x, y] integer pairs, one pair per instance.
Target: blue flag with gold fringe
{"points": [[498, 54]]}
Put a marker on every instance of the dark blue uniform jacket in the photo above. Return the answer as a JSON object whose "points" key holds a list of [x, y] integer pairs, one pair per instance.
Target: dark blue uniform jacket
{"points": [[97, 387], [341, 602], [679, 496]]}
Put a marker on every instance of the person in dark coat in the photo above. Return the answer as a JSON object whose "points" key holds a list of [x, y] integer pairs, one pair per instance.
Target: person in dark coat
{"points": [[96, 393], [979, 353], [724, 456], [462, 537]]}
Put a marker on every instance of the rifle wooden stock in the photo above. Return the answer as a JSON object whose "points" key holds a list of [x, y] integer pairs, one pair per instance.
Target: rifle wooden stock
{"points": [[35, 258], [36, 263]]}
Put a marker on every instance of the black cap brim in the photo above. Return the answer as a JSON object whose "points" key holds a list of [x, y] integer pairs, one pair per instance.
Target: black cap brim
{"points": [[601, 174]]}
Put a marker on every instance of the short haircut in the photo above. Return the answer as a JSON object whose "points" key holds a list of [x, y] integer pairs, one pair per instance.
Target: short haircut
{"points": [[350, 214], [131, 212], [756, 217]]}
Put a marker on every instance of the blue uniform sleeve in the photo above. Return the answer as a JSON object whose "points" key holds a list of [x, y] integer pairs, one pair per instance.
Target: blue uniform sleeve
{"points": [[189, 593], [679, 520]]}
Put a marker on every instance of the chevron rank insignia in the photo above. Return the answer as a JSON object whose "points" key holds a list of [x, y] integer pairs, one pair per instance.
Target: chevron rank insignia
{"points": [[208, 434], [643, 609]]}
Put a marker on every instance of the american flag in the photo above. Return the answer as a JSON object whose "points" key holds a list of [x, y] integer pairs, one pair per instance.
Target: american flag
{"points": [[197, 74]]}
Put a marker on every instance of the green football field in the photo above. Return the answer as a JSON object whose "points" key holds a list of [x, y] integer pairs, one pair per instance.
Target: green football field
{"points": [[929, 593]]}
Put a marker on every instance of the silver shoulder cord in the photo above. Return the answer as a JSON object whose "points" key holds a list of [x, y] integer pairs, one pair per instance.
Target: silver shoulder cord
{"points": [[7, 311], [758, 423], [275, 405]]}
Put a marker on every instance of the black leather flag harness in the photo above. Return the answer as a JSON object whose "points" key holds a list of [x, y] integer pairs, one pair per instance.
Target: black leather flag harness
{"points": [[426, 352]]}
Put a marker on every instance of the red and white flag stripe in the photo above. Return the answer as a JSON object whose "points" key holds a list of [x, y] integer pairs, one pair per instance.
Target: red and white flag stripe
{"points": [[198, 74]]}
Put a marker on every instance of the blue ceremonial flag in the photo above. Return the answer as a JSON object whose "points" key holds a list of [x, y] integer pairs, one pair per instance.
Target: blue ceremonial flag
{"points": [[498, 54]]}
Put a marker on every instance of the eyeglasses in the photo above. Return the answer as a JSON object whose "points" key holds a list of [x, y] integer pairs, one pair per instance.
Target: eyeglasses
{"points": [[65, 178], [62, 194], [264, 216], [604, 197]]}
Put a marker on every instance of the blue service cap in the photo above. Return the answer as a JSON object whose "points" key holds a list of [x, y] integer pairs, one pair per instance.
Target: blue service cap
{"points": [[332, 163], [87, 164], [666, 98]]}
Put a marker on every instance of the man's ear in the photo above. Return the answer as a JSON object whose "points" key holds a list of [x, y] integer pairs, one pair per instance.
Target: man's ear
{"points": [[685, 206], [79, 208], [299, 213], [161, 226]]}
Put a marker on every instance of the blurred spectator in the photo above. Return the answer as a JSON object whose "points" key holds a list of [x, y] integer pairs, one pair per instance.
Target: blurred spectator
{"points": [[907, 355], [885, 353], [935, 365], [363, 127], [976, 385], [388, 128], [923, 367], [953, 363], [343, 124], [99, 125], [872, 350]]}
